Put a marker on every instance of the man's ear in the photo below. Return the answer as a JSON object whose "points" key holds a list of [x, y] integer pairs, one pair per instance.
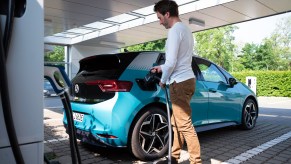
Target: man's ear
{"points": [[167, 14]]}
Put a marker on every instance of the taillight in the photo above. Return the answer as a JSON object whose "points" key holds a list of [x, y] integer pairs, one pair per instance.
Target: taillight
{"points": [[112, 85]]}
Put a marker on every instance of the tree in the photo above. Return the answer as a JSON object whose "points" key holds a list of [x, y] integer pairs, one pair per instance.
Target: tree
{"points": [[260, 57], [157, 45], [217, 45], [57, 55], [282, 33], [247, 59], [267, 57], [273, 53], [282, 37]]}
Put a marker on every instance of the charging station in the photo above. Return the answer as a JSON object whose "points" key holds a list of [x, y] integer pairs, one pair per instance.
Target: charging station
{"points": [[25, 72], [251, 82], [24, 64]]}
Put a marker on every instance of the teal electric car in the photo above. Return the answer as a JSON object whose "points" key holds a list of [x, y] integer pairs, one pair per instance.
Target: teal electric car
{"points": [[113, 107]]}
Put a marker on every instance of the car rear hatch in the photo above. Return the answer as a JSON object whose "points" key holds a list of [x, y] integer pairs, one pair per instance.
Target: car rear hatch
{"points": [[97, 78]]}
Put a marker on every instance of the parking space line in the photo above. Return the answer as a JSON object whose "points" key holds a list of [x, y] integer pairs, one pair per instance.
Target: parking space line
{"points": [[257, 150], [52, 120], [268, 115], [55, 140]]}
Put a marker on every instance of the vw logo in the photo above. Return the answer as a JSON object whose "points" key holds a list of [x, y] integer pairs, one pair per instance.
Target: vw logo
{"points": [[77, 89]]}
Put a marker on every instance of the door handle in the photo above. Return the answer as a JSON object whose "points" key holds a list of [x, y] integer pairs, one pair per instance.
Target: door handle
{"points": [[212, 90]]}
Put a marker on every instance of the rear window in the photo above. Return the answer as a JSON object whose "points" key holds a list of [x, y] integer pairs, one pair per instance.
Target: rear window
{"points": [[100, 62], [108, 63], [99, 67]]}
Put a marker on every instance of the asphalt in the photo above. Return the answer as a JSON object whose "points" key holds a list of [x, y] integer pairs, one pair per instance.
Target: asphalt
{"points": [[269, 142]]}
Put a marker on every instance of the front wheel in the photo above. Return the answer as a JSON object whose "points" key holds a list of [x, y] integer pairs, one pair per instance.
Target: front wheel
{"points": [[249, 114], [149, 138]]}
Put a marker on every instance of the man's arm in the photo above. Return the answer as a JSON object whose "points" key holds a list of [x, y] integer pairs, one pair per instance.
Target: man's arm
{"points": [[172, 48]]}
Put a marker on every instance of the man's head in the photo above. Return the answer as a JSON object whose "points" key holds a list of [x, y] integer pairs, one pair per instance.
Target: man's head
{"points": [[166, 10]]}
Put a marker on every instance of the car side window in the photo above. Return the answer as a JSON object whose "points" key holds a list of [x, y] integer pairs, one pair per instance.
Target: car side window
{"points": [[161, 59], [210, 72]]}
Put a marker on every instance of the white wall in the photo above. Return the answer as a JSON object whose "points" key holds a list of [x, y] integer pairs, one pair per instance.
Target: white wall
{"points": [[78, 52], [25, 80]]}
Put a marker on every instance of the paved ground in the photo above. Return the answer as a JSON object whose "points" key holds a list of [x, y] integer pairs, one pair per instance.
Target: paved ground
{"points": [[269, 142]]}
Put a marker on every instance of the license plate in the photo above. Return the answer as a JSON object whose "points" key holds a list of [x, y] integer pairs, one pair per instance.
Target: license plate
{"points": [[78, 117]]}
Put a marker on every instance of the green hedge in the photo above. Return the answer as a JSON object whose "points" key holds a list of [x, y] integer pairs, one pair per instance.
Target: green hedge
{"points": [[269, 83]]}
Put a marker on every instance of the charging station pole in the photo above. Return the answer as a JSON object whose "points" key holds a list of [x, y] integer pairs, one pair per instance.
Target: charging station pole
{"points": [[25, 84]]}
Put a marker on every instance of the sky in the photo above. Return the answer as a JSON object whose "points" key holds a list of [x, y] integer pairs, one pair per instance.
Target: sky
{"points": [[255, 31]]}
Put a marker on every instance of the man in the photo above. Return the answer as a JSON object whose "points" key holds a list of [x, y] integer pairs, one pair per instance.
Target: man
{"points": [[178, 73]]}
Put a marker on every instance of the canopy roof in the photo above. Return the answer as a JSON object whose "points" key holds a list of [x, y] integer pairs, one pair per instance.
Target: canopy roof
{"points": [[120, 23]]}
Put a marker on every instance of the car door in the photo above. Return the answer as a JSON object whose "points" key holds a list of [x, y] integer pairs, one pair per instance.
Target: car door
{"points": [[199, 102], [224, 102]]}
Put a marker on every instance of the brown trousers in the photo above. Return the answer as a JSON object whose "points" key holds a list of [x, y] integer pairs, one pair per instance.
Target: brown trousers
{"points": [[181, 94]]}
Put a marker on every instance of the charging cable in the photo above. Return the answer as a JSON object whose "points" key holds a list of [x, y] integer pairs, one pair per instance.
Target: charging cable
{"points": [[4, 47], [154, 78], [60, 81], [71, 129], [8, 27]]}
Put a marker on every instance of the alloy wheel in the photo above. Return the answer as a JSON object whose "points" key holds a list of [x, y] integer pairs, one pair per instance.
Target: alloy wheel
{"points": [[153, 133], [250, 114]]}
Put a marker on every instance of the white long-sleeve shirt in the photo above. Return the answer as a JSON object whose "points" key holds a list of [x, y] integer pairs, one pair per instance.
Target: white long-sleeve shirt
{"points": [[179, 50]]}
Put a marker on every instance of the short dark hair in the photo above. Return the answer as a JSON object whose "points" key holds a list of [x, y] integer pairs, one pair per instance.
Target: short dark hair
{"points": [[164, 6]]}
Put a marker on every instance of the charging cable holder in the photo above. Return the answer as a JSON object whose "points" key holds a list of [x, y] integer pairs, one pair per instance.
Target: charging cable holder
{"points": [[20, 7]]}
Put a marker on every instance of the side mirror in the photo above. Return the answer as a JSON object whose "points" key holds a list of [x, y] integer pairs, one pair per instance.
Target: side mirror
{"points": [[232, 81]]}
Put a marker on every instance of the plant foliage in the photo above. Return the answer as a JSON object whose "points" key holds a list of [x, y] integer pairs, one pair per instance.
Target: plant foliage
{"points": [[269, 83]]}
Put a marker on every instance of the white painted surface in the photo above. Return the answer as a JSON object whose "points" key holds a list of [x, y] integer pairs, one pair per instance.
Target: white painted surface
{"points": [[25, 80]]}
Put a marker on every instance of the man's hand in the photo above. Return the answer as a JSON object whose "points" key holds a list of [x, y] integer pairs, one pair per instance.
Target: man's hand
{"points": [[162, 85], [156, 69]]}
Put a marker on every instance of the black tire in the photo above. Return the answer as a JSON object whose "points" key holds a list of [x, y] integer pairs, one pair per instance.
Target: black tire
{"points": [[249, 114], [149, 138]]}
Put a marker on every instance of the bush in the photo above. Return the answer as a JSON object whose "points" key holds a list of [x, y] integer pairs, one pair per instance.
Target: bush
{"points": [[269, 83]]}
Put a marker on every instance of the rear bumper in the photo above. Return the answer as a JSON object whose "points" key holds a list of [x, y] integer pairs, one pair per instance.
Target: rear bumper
{"points": [[87, 137], [102, 120]]}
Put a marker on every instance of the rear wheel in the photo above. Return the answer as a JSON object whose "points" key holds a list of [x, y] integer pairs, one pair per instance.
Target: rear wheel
{"points": [[249, 114], [149, 138]]}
